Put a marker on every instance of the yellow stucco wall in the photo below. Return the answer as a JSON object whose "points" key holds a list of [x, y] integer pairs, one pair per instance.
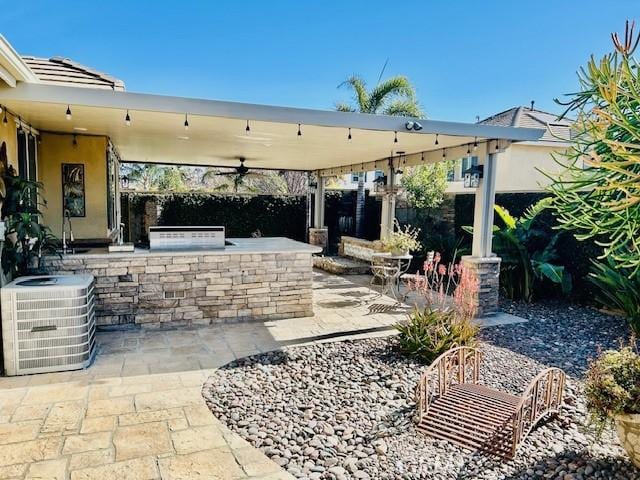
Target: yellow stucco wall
{"points": [[53, 151], [9, 135]]}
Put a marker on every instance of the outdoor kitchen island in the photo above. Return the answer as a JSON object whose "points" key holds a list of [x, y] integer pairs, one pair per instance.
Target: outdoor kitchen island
{"points": [[250, 279]]}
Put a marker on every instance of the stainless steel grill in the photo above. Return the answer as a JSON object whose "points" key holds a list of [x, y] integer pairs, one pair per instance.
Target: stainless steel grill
{"points": [[186, 237]]}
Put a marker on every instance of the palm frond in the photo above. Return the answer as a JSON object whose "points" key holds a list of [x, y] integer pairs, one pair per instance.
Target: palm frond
{"points": [[344, 107], [403, 108], [359, 87], [398, 86]]}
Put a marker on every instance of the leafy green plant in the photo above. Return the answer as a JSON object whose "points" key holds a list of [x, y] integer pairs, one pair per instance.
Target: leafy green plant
{"points": [[612, 386], [597, 195], [446, 321], [429, 333], [27, 241], [403, 239], [618, 289], [528, 253], [425, 184]]}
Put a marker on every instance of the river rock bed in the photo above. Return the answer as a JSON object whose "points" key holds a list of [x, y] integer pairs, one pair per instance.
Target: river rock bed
{"points": [[344, 410]]}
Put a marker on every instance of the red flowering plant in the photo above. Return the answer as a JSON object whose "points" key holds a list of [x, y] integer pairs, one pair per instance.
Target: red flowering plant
{"points": [[445, 320]]}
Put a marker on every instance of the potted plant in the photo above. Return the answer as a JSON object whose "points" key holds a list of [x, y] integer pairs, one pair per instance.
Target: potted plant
{"points": [[402, 240], [613, 396], [27, 241]]}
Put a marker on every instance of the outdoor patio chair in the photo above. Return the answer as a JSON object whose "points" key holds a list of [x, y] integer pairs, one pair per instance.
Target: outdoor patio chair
{"points": [[454, 406], [383, 275]]}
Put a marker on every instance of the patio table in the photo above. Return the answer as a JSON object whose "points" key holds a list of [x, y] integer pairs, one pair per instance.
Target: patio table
{"points": [[388, 268]]}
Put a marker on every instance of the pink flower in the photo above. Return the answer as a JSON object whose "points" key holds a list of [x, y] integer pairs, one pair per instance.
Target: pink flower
{"points": [[442, 269], [437, 258]]}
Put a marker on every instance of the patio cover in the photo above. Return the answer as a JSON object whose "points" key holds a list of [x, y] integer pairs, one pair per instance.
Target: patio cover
{"points": [[217, 131]]}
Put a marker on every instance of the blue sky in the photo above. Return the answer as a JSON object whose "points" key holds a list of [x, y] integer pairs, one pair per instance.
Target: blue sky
{"points": [[466, 58]]}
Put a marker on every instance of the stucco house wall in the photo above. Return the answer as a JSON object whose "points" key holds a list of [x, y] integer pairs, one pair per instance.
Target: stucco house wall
{"points": [[54, 150]]}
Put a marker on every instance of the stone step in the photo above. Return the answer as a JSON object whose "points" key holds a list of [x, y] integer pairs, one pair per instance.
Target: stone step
{"points": [[341, 265]]}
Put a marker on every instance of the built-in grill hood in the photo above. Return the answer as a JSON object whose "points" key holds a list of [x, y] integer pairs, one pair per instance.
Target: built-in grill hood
{"points": [[186, 238]]}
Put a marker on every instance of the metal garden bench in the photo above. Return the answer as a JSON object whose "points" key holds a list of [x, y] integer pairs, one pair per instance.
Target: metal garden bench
{"points": [[453, 406]]}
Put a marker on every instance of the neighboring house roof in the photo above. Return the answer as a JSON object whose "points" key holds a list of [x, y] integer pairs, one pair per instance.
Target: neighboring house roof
{"points": [[62, 71], [556, 129]]}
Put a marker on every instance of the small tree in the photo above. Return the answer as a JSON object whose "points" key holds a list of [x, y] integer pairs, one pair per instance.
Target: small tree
{"points": [[425, 184], [598, 193]]}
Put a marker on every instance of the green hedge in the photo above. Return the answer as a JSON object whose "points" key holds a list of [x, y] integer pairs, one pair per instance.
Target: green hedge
{"points": [[281, 216]]}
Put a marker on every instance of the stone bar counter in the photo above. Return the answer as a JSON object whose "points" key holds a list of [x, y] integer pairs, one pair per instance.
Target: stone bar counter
{"points": [[252, 279]]}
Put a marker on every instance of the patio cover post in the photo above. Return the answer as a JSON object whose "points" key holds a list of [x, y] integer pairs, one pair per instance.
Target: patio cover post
{"points": [[483, 265], [319, 234], [388, 212], [318, 210]]}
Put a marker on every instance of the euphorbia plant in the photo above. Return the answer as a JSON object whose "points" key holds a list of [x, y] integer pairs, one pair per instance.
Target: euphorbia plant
{"points": [[597, 195]]}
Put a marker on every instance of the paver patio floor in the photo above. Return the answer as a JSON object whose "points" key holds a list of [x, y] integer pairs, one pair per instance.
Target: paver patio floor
{"points": [[137, 411]]}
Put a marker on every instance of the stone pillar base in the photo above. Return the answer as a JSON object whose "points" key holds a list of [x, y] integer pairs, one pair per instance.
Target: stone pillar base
{"points": [[487, 272], [319, 237]]}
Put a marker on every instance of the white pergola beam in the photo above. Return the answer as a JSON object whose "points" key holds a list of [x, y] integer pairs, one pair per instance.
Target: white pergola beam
{"points": [[64, 95]]}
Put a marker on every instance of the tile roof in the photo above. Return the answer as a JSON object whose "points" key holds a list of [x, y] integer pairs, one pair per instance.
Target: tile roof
{"points": [[556, 129], [62, 71]]}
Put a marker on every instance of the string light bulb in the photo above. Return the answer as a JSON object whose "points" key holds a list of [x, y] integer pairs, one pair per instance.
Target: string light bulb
{"points": [[68, 113], [186, 122], [497, 145], [75, 140], [468, 150], [437, 142], [395, 137], [247, 129], [349, 136], [127, 119], [299, 131], [444, 153]]}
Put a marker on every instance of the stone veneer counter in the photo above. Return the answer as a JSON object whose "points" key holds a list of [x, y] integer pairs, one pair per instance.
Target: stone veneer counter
{"points": [[253, 279]]}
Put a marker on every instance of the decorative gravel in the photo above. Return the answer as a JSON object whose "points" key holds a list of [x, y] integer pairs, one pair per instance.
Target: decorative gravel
{"points": [[344, 410]]}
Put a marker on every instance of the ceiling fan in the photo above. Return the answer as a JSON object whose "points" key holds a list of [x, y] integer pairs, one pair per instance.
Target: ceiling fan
{"points": [[241, 169]]}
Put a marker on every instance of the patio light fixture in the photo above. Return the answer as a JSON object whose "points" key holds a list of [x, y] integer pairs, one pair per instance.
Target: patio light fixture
{"points": [[186, 122], [349, 136], [444, 153], [68, 113], [127, 119], [247, 129], [299, 131], [437, 142], [395, 138], [473, 175], [468, 150]]}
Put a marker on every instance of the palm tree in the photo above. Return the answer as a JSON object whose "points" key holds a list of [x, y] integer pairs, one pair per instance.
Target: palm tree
{"points": [[394, 96]]}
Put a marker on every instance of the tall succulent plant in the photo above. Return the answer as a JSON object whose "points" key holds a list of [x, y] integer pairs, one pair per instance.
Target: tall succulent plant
{"points": [[598, 193]]}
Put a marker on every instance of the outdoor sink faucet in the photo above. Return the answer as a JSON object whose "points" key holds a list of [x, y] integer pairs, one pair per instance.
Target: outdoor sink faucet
{"points": [[66, 219]]}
